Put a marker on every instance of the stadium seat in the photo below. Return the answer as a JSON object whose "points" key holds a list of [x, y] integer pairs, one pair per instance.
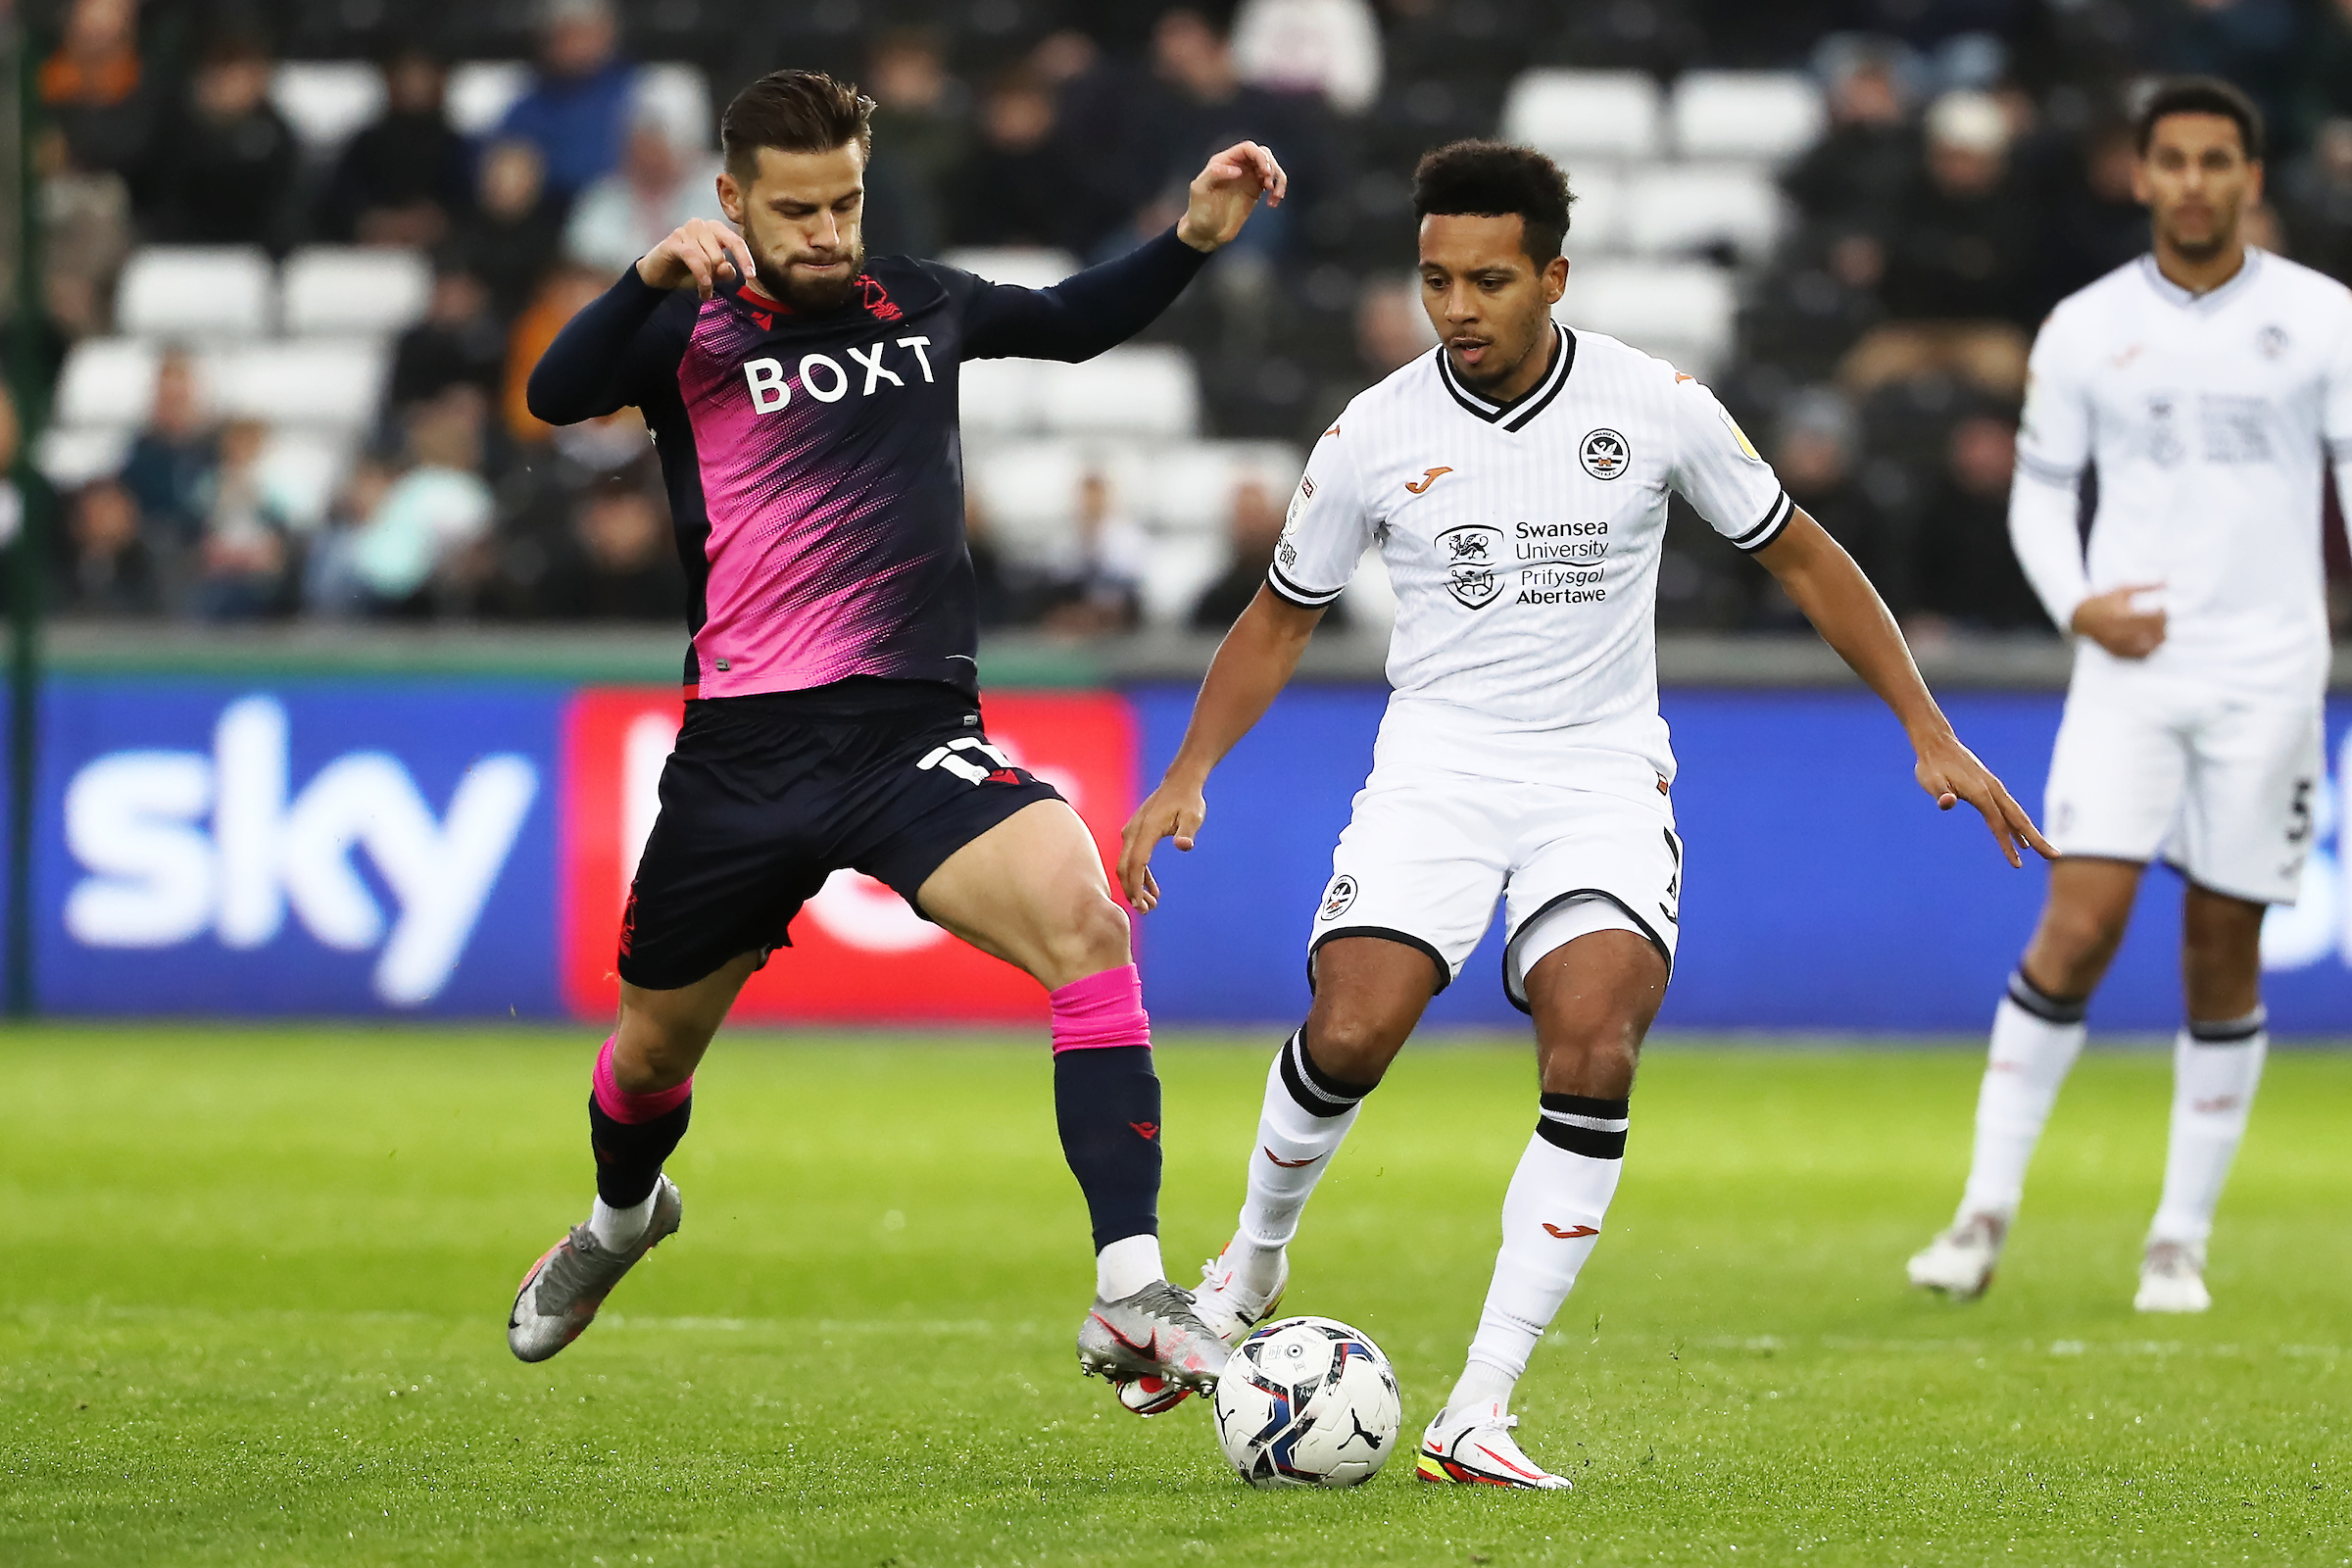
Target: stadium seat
{"points": [[299, 473], [336, 290], [1574, 114], [332, 383], [196, 291], [325, 101], [69, 457], [999, 397], [1176, 567], [1028, 490], [481, 91], [1678, 208], [1769, 115], [108, 383], [1597, 223], [1190, 487], [1142, 389], [1028, 266], [1680, 311], [679, 96]]}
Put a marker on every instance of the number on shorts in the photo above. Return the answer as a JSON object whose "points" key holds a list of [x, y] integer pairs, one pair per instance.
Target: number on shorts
{"points": [[944, 758], [2300, 828]]}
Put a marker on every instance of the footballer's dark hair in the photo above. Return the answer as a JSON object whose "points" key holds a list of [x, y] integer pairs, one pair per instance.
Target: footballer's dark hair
{"points": [[793, 111], [2200, 95], [1495, 180]]}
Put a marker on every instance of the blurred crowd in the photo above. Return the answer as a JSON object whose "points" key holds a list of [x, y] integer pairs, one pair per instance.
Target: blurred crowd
{"points": [[1976, 167]]}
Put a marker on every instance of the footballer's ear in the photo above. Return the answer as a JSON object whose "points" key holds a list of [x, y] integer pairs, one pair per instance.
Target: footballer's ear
{"points": [[1555, 279], [730, 198]]}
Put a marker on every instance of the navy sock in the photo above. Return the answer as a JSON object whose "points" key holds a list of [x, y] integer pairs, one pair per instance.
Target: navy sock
{"points": [[629, 1154], [1107, 1104]]}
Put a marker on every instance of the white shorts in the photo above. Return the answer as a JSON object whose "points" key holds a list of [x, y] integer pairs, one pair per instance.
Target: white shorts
{"points": [[2216, 784], [1428, 852]]}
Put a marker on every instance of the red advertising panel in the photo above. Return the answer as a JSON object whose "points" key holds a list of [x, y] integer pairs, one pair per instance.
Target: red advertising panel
{"points": [[858, 954]]}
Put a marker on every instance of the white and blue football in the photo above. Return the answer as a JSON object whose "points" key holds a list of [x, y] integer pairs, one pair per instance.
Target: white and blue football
{"points": [[1307, 1402]]}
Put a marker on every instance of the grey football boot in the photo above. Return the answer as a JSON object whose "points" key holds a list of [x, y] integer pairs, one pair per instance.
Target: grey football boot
{"points": [[560, 1294], [1153, 1333]]}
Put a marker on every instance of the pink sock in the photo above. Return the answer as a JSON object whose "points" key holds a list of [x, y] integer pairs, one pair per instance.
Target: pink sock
{"points": [[1100, 1011], [629, 1108]]}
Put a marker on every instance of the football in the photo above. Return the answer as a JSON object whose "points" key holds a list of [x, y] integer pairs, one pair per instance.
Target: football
{"points": [[1307, 1402]]}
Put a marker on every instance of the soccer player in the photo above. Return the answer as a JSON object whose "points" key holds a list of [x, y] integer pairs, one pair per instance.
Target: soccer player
{"points": [[1515, 481], [2206, 382], [803, 398]]}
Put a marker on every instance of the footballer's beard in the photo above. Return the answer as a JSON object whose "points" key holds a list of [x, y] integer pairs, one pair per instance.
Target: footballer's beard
{"points": [[2219, 234], [1492, 370], [781, 283]]}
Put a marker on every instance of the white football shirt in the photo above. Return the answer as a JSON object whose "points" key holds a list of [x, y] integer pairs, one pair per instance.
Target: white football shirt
{"points": [[1523, 542], [2209, 418]]}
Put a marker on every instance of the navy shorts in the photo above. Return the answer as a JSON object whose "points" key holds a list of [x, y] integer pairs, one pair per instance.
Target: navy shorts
{"points": [[766, 796]]}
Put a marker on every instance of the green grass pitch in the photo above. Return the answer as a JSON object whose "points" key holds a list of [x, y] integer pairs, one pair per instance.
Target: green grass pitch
{"points": [[252, 1304]]}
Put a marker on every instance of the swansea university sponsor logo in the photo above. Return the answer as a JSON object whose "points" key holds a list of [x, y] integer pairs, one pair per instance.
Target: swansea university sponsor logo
{"points": [[1472, 553]]}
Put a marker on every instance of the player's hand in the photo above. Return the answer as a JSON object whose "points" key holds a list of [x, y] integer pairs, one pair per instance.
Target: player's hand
{"points": [[1950, 772], [1226, 192], [701, 251], [2113, 621], [1173, 811]]}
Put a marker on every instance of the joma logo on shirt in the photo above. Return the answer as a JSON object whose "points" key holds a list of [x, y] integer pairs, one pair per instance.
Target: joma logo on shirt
{"points": [[826, 379]]}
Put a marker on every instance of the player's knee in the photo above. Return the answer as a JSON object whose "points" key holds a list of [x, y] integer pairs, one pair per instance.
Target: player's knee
{"points": [[1092, 936], [1592, 1054], [2076, 943]]}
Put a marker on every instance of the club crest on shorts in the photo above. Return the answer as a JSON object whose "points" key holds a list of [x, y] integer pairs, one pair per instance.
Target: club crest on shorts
{"points": [[1337, 897], [1471, 551], [1606, 455]]}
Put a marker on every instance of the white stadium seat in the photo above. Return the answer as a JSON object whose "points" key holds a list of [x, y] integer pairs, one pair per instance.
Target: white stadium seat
{"points": [[1176, 567], [71, 458], [1574, 114], [679, 96], [1678, 208], [325, 101], [1028, 490], [999, 397], [1772, 115], [1682, 313], [1025, 266], [193, 291], [107, 382], [1141, 389], [311, 381], [1190, 490], [1597, 222], [355, 290], [299, 473], [481, 91]]}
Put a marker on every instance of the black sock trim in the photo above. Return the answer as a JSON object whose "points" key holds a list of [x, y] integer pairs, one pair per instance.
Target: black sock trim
{"points": [[2229, 1031], [1589, 1142], [2041, 1004], [1587, 1105], [1317, 1092]]}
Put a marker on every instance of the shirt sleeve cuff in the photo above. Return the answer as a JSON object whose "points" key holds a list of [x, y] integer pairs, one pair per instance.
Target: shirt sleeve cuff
{"points": [[1305, 598]]}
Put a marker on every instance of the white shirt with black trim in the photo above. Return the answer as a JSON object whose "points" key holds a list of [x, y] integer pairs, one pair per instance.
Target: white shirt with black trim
{"points": [[2209, 418], [1523, 541]]}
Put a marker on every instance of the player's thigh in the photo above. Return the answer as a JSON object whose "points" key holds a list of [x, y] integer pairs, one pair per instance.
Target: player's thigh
{"points": [[1370, 993], [2118, 771], [1419, 865], [2247, 826], [1591, 861], [1031, 891], [1594, 998]]}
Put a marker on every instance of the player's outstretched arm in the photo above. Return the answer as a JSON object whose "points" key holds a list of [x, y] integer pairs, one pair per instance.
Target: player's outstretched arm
{"points": [[1822, 580], [1225, 192], [595, 364], [1252, 666]]}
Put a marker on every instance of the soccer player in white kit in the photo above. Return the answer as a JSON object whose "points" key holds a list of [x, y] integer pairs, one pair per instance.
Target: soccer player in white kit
{"points": [[1515, 481], [2207, 382]]}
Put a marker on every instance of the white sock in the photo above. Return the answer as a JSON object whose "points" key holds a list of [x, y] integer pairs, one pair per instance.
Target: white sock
{"points": [[2216, 1067], [618, 1229], [1126, 1267], [2035, 1039], [1306, 1116], [1552, 1220]]}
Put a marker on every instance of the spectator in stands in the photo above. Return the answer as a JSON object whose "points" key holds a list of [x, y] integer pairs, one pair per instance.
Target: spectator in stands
{"points": [[2253, 43], [1253, 528], [458, 341], [1968, 576], [623, 564], [1392, 329], [577, 108], [96, 89], [1853, 178], [628, 213], [408, 178], [516, 227], [2095, 226], [107, 568], [2315, 200], [332, 584], [423, 534], [1202, 104], [224, 166], [2326, 74], [245, 559], [1327, 48], [1021, 184], [923, 129], [562, 294], [86, 236], [170, 467], [1816, 456], [1099, 587]]}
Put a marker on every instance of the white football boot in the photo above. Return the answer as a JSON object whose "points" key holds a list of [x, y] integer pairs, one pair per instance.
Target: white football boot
{"points": [[1959, 1262], [1151, 1334], [562, 1292], [1229, 1310], [2171, 1279], [1477, 1449]]}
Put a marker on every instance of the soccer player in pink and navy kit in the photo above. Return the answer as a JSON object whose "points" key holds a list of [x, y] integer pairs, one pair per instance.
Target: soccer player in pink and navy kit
{"points": [[804, 400]]}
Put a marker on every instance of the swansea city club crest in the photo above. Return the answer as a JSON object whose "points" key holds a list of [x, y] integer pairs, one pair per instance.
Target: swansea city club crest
{"points": [[1605, 454], [1472, 553]]}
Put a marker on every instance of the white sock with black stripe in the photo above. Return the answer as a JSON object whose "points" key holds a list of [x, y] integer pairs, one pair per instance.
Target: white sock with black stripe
{"points": [[2035, 1039], [1551, 1219], [2216, 1068], [1304, 1119]]}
